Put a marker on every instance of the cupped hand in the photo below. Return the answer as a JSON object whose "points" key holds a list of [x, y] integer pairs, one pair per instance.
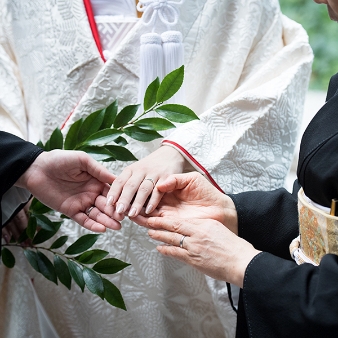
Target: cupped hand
{"points": [[134, 187], [193, 196], [71, 182], [17, 225], [207, 245]]}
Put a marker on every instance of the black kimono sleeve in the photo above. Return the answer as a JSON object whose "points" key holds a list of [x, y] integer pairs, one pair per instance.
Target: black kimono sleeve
{"points": [[16, 156], [280, 298]]}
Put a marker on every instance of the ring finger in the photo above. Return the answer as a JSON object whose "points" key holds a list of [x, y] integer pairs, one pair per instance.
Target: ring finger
{"points": [[171, 238], [146, 188]]}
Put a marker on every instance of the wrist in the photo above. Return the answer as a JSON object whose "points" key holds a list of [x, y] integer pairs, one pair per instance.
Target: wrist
{"points": [[174, 156], [25, 178], [244, 259], [230, 218]]}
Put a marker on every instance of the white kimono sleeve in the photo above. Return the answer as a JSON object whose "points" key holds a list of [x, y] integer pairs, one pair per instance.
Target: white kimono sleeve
{"points": [[12, 105], [247, 141]]}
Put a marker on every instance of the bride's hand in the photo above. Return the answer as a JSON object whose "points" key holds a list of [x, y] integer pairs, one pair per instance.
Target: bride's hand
{"points": [[193, 196], [134, 187]]}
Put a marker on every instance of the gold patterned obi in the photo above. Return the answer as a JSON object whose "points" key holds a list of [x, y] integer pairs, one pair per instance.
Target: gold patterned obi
{"points": [[318, 233]]}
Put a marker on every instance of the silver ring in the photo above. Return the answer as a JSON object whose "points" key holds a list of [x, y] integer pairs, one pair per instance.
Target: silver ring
{"points": [[89, 210], [181, 241], [151, 180]]}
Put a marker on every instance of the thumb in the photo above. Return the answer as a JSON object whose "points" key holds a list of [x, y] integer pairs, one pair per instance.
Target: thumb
{"points": [[175, 182]]}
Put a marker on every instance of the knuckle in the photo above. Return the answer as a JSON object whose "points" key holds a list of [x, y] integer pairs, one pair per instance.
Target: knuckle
{"points": [[176, 226]]}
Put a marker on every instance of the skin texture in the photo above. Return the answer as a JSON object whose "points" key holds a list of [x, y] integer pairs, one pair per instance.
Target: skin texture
{"points": [[71, 182], [17, 225], [131, 189], [191, 206]]}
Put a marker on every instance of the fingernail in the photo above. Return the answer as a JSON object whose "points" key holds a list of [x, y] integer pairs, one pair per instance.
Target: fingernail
{"points": [[132, 212], [149, 209], [151, 232], [109, 201], [120, 208]]}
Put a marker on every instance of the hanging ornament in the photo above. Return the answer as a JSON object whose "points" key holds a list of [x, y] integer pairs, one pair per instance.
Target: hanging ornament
{"points": [[160, 54]]}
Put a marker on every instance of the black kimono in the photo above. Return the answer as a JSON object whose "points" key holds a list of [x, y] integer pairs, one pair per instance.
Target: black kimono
{"points": [[16, 155], [279, 297]]}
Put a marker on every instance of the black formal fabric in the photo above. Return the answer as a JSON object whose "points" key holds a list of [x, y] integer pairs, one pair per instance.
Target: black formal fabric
{"points": [[280, 298], [16, 156], [317, 170]]}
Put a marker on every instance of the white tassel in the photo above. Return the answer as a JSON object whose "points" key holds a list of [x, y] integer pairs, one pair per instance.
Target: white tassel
{"points": [[151, 61], [173, 54]]}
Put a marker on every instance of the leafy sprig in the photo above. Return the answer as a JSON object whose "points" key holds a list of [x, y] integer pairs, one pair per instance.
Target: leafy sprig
{"points": [[102, 134]]}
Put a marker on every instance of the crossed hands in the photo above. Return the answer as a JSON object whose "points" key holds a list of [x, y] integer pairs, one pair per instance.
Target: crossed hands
{"points": [[198, 225]]}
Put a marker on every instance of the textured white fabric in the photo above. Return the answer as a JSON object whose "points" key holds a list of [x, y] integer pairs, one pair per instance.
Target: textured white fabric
{"points": [[247, 70], [11, 200]]}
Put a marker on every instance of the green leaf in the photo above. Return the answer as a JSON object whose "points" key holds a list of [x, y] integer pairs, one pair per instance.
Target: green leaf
{"points": [[109, 115], [110, 266], [46, 267], [155, 123], [56, 140], [121, 153], [102, 137], [31, 227], [45, 223], [170, 85], [32, 258], [90, 125], [125, 115], [23, 237], [140, 134], [37, 208], [43, 235], [62, 271], [176, 113], [47, 146], [121, 141], [150, 95], [93, 282], [76, 272], [92, 256], [82, 244], [59, 242], [40, 145], [72, 135], [97, 153], [7, 258], [113, 295]]}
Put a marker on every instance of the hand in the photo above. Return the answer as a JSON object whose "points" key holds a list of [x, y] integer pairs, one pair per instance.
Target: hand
{"points": [[208, 246], [137, 181], [71, 182], [17, 225], [193, 196]]}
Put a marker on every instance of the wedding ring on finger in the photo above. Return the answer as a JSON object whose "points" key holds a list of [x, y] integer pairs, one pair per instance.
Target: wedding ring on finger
{"points": [[89, 210], [151, 180], [182, 241]]}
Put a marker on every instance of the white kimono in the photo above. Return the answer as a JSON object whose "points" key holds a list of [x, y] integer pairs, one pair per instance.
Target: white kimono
{"points": [[247, 72]]}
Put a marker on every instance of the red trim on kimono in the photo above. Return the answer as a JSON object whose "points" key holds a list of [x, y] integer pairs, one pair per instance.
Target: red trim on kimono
{"points": [[93, 27], [67, 118], [196, 163]]}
